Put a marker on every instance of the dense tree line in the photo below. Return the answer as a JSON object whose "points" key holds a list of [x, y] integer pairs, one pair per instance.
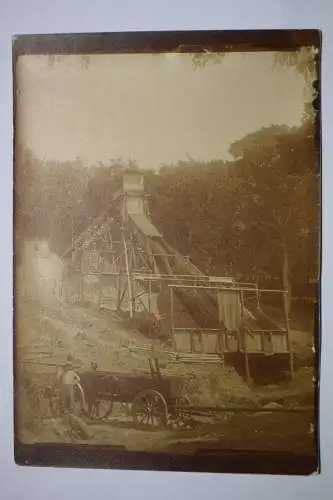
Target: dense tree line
{"points": [[256, 217]]}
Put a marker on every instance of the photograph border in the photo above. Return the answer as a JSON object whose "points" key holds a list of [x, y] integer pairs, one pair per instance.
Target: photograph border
{"points": [[226, 461]]}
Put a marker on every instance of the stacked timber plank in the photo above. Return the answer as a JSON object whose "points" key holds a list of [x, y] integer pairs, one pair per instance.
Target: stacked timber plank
{"points": [[199, 358]]}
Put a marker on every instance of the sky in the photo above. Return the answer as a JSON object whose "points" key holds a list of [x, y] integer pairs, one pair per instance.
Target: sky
{"points": [[151, 108]]}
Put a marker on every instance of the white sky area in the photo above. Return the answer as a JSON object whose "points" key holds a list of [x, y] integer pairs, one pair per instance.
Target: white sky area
{"points": [[153, 109]]}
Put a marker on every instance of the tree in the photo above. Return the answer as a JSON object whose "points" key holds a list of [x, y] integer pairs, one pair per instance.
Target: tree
{"points": [[193, 205], [305, 63], [279, 192], [302, 60]]}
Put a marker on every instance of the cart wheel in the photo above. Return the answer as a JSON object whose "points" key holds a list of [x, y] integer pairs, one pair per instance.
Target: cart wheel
{"points": [[149, 408], [56, 404], [54, 401], [38, 403], [35, 396], [180, 415]]}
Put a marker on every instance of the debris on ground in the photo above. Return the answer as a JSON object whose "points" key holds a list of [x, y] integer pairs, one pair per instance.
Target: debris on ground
{"points": [[76, 426], [218, 386], [89, 336]]}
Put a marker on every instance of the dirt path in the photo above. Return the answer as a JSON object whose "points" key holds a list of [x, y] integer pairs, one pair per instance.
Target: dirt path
{"points": [[46, 336], [81, 332], [266, 433]]}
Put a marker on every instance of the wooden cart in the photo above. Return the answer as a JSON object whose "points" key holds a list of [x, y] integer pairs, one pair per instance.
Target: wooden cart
{"points": [[149, 397]]}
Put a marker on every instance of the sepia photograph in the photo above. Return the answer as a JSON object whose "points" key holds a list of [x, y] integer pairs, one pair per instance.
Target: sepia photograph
{"points": [[167, 229]]}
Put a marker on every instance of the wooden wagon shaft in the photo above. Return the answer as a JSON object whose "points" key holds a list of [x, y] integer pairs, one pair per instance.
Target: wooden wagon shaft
{"points": [[38, 363], [136, 348]]}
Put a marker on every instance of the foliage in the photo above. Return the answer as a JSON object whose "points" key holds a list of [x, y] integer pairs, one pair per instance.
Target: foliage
{"points": [[303, 61], [280, 193], [256, 216], [201, 59]]}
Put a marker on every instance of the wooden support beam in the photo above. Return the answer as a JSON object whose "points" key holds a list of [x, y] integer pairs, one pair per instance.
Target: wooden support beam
{"points": [[149, 297], [172, 319], [119, 288], [241, 331], [291, 359], [246, 359]]}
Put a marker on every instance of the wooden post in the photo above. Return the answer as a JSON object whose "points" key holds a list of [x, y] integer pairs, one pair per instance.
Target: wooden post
{"points": [[53, 342], [157, 368], [149, 296], [241, 330], [151, 366], [121, 298], [172, 318], [72, 231], [134, 284], [221, 341], [226, 341], [261, 342], [151, 258], [243, 333], [291, 360], [257, 296], [130, 298], [246, 359], [119, 281], [201, 342], [191, 341]]}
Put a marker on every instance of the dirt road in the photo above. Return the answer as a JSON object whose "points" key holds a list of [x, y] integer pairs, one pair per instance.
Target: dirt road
{"points": [[45, 336]]}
